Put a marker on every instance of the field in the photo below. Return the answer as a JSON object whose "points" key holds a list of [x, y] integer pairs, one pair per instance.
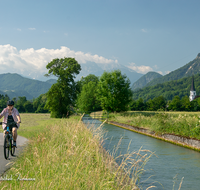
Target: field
{"points": [[64, 154], [185, 124]]}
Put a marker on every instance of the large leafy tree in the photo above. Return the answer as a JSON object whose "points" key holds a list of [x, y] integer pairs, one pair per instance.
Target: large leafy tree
{"points": [[86, 80], [114, 91], [61, 96], [87, 99], [175, 104]]}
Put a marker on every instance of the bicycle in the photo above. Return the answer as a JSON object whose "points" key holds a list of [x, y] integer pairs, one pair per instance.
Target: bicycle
{"points": [[8, 140]]}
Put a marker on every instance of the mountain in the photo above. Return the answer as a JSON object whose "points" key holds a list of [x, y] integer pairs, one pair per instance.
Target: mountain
{"points": [[168, 90], [51, 81], [192, 68], [15, 85], [98, 69], [89, 68], [141, 82]]}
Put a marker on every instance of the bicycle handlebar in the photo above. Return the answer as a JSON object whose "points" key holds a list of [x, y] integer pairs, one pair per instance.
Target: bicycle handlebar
{"points": [[11, 123]]}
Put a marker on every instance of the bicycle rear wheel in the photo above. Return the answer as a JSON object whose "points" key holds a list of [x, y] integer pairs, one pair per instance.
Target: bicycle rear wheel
{"points": [[6, 146], [12, 151]]}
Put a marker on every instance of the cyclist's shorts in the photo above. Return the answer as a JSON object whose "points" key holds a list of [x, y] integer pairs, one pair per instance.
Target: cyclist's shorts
{"points": [[14, 126]]}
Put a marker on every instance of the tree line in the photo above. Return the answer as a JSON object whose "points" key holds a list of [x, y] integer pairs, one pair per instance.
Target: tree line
{"points": [[23, 105], [161, 104]]}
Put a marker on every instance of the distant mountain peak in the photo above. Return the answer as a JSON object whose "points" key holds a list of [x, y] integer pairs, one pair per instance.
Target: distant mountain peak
{"points": [[145, 79], [198, 56], [191, 68]]}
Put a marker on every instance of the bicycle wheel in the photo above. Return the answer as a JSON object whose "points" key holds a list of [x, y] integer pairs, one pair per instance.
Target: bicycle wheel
{"points": [[6, 146], [12, 151]]}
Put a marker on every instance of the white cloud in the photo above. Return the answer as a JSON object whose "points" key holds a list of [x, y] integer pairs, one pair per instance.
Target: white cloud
{"points": [[19, 29], [31, 62], [140, 69], [32, 28], [144, 30], [160, 72], [167, 72]]}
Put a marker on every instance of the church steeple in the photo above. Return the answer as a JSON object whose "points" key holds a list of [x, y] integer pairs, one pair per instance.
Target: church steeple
{"points": [[192, 91], [192, 86]]}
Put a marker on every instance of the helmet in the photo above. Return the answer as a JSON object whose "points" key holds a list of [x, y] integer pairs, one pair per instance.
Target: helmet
{"points": [[10, 103]]}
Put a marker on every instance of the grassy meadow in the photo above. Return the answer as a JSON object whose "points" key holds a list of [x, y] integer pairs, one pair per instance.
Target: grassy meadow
{"points": [[64, 154], [185, 124]]}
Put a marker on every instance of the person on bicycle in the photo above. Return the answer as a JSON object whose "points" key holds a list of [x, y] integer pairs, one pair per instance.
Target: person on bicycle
{"points": [[11, 114]]}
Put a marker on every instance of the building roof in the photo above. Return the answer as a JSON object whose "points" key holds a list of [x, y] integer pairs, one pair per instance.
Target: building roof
{"points": [[192, 86]]}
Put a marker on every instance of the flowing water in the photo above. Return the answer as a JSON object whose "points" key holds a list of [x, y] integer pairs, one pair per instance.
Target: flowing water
{"points": [[166, 169]]}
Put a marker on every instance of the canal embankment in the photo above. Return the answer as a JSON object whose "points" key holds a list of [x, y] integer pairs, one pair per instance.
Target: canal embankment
{"points": [[175, 139], [180, 128]]}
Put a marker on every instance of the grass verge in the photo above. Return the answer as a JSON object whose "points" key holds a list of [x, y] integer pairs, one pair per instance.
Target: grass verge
{"points": [[64, 154], [186, 124]]}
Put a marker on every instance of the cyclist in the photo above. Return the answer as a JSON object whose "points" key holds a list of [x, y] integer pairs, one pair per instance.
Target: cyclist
{"points": [[11, 114]]}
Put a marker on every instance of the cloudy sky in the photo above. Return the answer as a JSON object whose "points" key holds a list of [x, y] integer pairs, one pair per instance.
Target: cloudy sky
{"points": [[144, 35]]}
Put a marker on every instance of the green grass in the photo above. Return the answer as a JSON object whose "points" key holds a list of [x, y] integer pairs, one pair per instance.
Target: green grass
{"points": [[64, 154], [185, 124]]}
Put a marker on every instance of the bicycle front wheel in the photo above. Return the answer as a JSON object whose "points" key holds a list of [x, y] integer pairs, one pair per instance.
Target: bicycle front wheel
{"points": [[12, 151], [6, 146]]}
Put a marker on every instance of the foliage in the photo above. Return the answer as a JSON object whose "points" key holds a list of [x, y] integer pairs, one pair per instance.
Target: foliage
{"points": [[62, 95], [87, 99], [3, 101], [39, 104], [160, 104], [114, 91]]}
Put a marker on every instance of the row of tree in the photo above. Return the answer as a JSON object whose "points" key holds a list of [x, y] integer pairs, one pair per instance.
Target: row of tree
{"points": [[160, 103], [25, 106]]}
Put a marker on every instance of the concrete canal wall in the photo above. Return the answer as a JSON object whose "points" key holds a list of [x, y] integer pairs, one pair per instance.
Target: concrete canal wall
{"points": [[175, 139]]}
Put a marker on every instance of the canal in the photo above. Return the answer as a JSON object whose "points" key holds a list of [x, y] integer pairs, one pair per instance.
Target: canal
{"points": [[165, 169]]}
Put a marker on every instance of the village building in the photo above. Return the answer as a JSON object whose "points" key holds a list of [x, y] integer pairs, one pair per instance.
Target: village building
{"points": [[193, 94]]}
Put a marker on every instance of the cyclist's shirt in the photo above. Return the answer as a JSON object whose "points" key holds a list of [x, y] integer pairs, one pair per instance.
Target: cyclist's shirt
{"points": [[10, 119], [6, 114]]}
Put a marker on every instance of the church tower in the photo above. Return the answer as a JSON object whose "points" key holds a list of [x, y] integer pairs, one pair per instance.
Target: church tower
{"points": [[192, 91]]}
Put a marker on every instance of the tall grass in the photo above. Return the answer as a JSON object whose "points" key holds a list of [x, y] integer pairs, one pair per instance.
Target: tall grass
{"points": [[64, 154], [183, 124]]}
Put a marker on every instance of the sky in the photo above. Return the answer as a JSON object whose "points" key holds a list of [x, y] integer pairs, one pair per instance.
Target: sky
{"points": [[144, 35]]}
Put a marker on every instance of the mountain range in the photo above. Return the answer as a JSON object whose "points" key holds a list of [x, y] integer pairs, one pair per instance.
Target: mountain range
{"points": [[15, 85], [151, 79], [98, 69]]}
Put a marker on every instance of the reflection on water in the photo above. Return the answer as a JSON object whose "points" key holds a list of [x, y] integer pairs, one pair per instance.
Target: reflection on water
{"points": [[170, 162]]}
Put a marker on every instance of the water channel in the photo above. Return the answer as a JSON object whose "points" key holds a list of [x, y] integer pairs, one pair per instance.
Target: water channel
{"points": [[170, 160]]}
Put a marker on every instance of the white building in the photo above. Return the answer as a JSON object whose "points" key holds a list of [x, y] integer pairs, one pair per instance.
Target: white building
{"points": [[192, 91]]}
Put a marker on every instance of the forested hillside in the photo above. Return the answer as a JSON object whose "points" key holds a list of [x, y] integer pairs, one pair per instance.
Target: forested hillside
{"points": [[192, 68], [168, 90], [15, 85], [145, 79]]}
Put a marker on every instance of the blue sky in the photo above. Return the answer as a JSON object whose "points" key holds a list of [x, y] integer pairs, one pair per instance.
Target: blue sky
{"points": [[145, 35]]}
